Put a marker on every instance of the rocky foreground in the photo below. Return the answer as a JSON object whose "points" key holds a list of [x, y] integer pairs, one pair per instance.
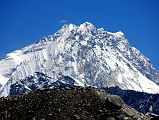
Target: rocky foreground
{"points": [[71, 104]]}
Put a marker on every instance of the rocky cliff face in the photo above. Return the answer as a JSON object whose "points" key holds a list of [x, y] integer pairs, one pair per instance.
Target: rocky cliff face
{"points": [[70, 104], [143, 102]]}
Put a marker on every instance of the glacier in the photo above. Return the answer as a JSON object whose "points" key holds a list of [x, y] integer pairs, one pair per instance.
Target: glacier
{"points": [[91, 56]]}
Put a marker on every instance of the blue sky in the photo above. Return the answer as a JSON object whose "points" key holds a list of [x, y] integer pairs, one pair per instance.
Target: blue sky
{"points": [[23, 22]]}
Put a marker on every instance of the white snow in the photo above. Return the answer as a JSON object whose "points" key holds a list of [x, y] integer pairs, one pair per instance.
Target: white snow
{"points": [[3, 80], [119, 34], [79, 82], [16, 57], [84, 42]]}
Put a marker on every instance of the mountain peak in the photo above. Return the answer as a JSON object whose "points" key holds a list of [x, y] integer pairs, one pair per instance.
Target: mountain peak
{"points": [[119, 34], [87, 25], [69, 27], [88, 55]]}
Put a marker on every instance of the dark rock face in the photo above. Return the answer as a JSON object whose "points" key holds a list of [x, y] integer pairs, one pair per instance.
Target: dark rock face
{"points": [[40, 80], [142, 102], [70, 104]]}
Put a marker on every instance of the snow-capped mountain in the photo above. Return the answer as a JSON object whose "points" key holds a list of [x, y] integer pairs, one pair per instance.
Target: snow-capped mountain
{"points": [[88, 55]]}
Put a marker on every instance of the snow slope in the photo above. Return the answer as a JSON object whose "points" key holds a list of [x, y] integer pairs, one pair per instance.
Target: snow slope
{"points": [[89, 55]]}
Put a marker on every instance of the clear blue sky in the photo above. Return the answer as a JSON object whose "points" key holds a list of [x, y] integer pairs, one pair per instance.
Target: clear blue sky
{"points": [[23, 22]]}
